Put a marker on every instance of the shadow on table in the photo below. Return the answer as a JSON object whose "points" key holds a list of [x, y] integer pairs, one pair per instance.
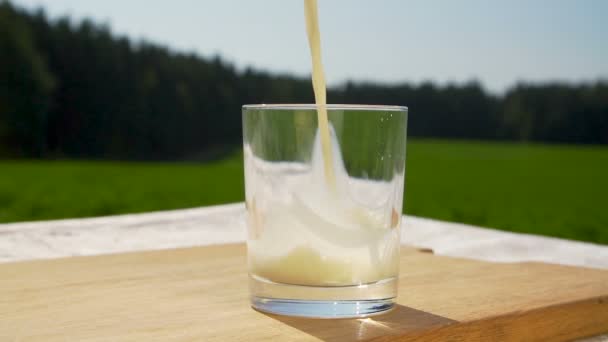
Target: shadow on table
{"points": [[398, 321]]}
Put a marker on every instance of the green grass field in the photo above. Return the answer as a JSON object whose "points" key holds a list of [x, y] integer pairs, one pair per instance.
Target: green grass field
{"points": [[550, 190]]}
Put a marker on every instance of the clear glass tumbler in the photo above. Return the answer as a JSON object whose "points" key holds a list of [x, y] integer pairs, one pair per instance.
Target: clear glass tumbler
{"points": [[323, 237]]}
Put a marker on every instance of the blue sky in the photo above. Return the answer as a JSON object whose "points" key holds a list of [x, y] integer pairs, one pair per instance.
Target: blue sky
{"points": [[495, 42]]}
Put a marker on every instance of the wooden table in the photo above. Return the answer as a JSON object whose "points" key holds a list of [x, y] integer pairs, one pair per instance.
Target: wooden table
{"points": [[225, 224]]}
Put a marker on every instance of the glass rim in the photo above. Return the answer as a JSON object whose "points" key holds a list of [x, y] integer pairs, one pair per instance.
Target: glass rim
{"points": [[312, 106]]}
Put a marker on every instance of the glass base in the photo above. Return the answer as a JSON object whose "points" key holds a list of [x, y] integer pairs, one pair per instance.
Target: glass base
{"points": [[322, 301], [323, 308]]}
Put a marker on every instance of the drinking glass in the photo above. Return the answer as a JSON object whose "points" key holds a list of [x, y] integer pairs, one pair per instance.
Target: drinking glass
{"points": [[324, 228]]}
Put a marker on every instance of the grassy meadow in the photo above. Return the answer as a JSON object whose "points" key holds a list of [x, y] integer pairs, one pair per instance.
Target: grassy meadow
{"points": [[557, 191]]}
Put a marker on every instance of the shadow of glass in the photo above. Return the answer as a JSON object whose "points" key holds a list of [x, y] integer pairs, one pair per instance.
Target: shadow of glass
{"points": [[398, 321]]}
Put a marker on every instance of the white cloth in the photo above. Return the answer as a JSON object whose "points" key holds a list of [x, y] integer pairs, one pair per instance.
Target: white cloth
{"points": [[226, 224]]}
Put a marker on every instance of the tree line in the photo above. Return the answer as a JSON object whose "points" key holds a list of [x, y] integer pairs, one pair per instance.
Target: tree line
{"points": [[74, 90]]}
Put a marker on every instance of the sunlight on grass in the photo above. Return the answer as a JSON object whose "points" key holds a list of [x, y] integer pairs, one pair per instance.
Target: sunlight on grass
{"points": [[540, 189]]}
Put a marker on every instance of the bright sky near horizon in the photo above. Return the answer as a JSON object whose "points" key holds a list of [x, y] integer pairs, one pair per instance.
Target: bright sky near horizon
{"points": [[495, 42]]}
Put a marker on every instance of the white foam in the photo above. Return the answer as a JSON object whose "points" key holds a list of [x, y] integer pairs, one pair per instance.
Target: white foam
{"points": [[295, 208]]}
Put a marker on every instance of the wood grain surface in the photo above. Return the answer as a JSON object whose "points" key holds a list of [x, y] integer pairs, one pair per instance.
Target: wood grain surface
{"points": [[200, 294]]}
